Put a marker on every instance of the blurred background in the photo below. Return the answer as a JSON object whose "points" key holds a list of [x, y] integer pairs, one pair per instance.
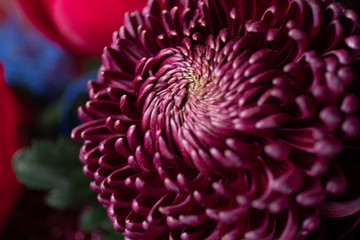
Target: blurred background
{"points": [[49, 49]]}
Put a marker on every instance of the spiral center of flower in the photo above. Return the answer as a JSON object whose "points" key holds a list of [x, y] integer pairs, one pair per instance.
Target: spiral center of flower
{"points": [[217, 96]]}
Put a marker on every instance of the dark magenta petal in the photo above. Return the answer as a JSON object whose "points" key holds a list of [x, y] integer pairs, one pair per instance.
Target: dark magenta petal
{"points": [[339, 209]]}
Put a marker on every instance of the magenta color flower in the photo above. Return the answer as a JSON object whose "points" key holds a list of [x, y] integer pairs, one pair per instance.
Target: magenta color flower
{"points": [[85, 26], [226, 119]]}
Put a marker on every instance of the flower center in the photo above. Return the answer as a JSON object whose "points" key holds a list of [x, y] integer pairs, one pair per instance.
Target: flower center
{"points": [[220, 100]]}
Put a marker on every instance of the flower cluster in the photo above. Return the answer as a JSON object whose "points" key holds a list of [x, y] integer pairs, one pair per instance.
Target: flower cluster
{"points": [[226, 119]]}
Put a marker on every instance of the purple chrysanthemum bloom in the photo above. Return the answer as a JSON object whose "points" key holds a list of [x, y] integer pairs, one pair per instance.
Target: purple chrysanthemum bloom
{"points": [[226, 119]]}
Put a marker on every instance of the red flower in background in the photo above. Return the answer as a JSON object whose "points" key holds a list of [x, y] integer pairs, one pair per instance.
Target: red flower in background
{"points": [[9, 143], [83, 25]]}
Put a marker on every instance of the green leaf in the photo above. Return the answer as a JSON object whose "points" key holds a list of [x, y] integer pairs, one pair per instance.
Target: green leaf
{"points": [[64, 197], [25, 170], [94, 219], [54, 166], [113, 236]]}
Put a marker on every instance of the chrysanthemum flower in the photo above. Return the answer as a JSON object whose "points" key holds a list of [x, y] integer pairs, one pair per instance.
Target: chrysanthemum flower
{"points": [[226, 119]]}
